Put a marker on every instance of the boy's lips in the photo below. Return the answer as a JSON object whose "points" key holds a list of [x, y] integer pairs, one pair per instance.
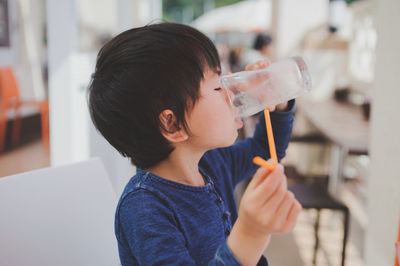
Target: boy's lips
{"points": [[239, 122]]}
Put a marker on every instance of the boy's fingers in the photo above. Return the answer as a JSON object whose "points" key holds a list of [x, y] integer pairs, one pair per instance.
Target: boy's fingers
{"points": [[292, 217], [266, 184], [272, 203], [272, 108], [284, 208], [264, 63], [269, 184], [267, 189], [258, 65], [261, 175], [258, 177]]}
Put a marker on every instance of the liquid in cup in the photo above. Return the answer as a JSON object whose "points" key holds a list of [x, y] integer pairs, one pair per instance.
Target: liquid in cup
{"points": [[253, 91]]}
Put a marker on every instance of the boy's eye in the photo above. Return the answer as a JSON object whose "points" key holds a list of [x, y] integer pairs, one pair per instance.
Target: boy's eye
{"points": [[218, 89]]}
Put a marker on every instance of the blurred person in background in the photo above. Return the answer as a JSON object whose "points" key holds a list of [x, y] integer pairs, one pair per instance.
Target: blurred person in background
{"points": [[224, 50], [235, 59], [261, 50]]}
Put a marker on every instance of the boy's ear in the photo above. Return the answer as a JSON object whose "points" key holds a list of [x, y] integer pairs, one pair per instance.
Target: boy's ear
{"points": [[171, 130]]}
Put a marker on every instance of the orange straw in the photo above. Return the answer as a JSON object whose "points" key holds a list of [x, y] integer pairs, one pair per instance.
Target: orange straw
{"points": [[271, 142], [263, 163]]}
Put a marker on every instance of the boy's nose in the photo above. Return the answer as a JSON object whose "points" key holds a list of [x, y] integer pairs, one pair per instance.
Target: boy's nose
{"points": [[230, 98]]}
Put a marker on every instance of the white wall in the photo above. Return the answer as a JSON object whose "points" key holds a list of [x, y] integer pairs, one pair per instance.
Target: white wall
{"points": [[72, 135], [145, 11], [62, 32], [291, 19], [384, 180]]}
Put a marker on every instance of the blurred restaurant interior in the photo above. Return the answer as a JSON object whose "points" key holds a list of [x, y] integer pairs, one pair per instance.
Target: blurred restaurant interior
{"points": [[342, 162]]}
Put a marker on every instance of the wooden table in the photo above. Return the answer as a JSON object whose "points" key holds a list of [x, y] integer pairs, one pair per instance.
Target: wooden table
{"points": [[344, 126]]}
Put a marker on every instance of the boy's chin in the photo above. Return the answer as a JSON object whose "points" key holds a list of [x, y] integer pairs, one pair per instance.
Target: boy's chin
{"points": [[228, 141]]}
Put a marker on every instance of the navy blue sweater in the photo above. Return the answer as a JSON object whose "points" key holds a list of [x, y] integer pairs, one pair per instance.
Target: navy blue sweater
{"points": [[160, 222]]}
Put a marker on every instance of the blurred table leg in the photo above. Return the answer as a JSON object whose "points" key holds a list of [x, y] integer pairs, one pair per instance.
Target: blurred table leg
{"points": [[336, 170]]}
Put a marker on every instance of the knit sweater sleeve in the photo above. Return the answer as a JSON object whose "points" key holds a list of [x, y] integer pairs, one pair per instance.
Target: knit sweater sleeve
{"points": [[239, 157]]}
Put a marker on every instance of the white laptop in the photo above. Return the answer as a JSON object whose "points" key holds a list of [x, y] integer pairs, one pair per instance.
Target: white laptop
{"points": [[58, 216]]}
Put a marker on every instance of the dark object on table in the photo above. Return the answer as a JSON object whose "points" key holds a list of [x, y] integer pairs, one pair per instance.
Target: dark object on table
{"points": [[366, 109], [342, 94]]}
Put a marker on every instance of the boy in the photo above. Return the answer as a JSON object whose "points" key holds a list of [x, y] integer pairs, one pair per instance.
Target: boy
{"points": [[156, 97]]}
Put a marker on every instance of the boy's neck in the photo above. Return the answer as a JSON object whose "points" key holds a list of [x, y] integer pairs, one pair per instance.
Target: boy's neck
{"points": [[181, 166]]}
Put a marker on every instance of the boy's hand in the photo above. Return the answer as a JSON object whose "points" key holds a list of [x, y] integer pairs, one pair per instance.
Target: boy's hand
{"points": [[264, 64], [266, 207], [258, 65]]}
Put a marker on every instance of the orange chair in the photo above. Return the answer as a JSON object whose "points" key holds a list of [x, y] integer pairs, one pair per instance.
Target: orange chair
{"points": [[10, 100]]}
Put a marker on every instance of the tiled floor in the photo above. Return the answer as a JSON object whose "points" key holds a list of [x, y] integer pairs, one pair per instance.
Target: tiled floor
{"points": [[296, 248], [330, 234]]}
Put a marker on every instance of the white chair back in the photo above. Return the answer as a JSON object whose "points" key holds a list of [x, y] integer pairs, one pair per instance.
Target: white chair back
{"points": [[58, 216]]}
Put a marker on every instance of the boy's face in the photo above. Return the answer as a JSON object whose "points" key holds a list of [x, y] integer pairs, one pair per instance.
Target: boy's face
{"points": [[213, 121]]}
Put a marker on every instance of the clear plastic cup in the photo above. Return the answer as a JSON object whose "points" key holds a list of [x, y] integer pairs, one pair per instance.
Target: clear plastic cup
{"points": [[253, 91]]}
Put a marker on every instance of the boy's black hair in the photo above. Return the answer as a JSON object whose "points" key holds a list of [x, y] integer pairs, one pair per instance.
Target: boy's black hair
{"points": [[261, 40], [140, 73]]}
